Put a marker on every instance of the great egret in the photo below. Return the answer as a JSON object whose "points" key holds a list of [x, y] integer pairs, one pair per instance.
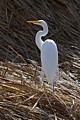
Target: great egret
{"points": [[49, 52]]}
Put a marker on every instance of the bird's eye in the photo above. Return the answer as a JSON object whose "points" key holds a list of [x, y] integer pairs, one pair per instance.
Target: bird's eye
{"points": [[39, 22]]}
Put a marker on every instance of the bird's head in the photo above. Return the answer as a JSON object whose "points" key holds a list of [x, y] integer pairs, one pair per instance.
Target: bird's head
{"points": [[37, 22], [41, 23]]}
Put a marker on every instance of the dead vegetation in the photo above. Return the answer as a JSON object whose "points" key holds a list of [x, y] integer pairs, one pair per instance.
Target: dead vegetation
{"points": [[22, 97], [21, 94]]}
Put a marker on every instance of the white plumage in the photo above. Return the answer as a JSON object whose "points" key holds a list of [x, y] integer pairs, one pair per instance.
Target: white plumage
{"points": [[49, 59], [49, 52]]}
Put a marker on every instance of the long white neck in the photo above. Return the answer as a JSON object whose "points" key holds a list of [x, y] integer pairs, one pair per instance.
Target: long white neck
{"points": [[41, 33]]}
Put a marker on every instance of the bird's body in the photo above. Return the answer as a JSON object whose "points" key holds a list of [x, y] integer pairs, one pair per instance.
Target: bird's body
{"points": [[49, 52], [49, 59]]}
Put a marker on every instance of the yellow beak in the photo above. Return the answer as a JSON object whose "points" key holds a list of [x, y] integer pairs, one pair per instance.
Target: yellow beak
{"points": [[32, 21]]}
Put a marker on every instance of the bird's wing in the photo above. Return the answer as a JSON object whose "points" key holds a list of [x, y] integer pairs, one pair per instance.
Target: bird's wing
{"points": [[49, 58]]}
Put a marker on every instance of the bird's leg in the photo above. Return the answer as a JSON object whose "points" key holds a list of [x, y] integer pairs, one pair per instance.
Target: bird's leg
{"points": [[42, 76], [54, 83], [53, 88], [56, 77]]}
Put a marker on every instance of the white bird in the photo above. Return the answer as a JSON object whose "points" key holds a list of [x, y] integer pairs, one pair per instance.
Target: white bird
{"points": [[49, 52]]}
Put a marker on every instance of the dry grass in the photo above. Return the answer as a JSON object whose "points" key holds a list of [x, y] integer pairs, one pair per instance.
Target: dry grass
{"points": [[21, 95]]}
